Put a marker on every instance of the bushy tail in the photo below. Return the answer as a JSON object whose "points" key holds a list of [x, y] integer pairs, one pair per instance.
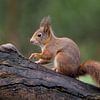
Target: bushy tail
{"points": [[92, 68]]}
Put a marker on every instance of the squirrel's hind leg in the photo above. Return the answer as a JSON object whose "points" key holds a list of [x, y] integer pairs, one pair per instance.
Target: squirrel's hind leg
{"points": [[60, 63], [63, 63]]}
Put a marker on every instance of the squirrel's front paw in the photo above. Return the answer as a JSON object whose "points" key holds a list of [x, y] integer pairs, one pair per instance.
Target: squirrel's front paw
{"points": [[31, 56], [34, 55]]}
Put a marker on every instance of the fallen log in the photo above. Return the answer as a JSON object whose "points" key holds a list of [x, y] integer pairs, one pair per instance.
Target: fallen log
{"points": [[22, 79]]}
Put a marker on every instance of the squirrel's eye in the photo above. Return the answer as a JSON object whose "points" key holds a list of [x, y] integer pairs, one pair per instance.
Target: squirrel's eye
{"points": [[39, 35]]}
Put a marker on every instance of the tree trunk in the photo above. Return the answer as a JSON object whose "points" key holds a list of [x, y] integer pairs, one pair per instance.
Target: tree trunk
{"points": [[22, 79]]}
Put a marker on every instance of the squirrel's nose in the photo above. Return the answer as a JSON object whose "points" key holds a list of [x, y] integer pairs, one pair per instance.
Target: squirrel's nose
{"points": [[31, 41]]}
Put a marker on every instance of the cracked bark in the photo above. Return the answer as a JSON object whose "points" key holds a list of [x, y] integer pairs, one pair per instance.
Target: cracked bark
{"points": [[22, 79]]}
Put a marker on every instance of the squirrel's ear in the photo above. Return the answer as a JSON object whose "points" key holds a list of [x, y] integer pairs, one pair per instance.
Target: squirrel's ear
{"points": [[46, 28], [45, 23]]}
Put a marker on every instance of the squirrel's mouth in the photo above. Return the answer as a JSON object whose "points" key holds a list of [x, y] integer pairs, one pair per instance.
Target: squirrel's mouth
{"points": [[34, 42]]}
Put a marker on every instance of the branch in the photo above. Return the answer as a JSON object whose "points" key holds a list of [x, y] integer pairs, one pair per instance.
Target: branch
{"points": [[22, 79]]}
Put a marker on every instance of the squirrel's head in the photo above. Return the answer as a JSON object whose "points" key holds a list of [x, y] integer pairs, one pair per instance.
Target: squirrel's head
{"points": [[43, 34]]}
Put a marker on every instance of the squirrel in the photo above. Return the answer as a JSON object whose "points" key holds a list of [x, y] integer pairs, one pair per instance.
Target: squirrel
{"points": [[64, 52]]}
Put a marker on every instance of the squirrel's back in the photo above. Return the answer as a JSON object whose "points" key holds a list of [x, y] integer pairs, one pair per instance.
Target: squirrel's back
{"points": [[70, 47]]}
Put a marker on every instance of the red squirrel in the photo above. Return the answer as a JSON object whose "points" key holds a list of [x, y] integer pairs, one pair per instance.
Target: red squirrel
{"points": [[64, 52]]}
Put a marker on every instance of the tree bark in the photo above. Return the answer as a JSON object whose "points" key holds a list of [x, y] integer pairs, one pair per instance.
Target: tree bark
{"points": [[22, 79]]}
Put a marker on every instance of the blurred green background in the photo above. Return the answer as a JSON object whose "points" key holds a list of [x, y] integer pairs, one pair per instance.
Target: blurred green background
{"points": [[76, 19]]}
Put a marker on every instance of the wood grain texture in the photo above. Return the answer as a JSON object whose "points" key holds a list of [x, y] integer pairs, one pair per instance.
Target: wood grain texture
{"points": [[22, 79]]}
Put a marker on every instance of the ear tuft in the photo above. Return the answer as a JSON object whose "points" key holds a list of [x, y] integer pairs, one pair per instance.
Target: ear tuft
{"points": [[45, 21]]}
